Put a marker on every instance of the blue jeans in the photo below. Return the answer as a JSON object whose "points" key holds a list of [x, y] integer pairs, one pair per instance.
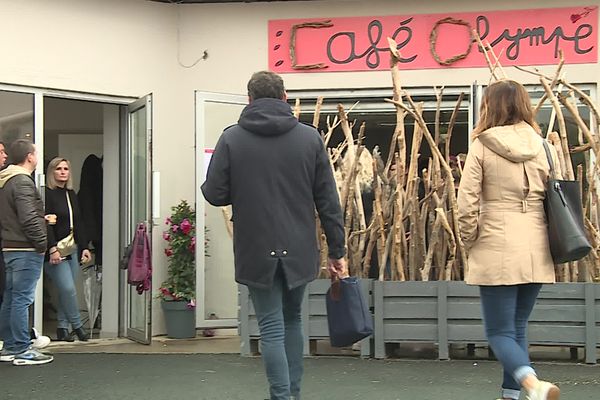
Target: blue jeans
{"points": [[23, 269], [278, 311], [64, 276], [506, 311]]}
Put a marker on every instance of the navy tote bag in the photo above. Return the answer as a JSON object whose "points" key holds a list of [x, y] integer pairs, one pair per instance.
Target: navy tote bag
{"points": [[348, 314]]}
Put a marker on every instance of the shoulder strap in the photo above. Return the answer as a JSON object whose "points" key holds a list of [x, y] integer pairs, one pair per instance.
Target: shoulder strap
{"points": [[549, 157], [70, 210]]}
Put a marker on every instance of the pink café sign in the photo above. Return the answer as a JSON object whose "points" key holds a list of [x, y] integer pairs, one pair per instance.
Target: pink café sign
{"points": [[524, 37]]}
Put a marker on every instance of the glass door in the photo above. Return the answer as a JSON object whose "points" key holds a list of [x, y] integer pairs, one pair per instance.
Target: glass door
{"points": [[216, 290], [138, 167]]}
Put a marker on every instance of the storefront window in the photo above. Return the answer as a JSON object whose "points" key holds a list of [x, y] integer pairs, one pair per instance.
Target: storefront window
{"points": [[16, 117], [369, 106]]}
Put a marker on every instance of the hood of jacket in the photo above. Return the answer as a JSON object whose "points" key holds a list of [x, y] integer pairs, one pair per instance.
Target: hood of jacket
{"points": [[10, 172], [268, 117], [517, 143]]}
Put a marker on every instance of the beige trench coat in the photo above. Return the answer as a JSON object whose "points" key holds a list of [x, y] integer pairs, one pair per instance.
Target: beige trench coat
{"points": [[500, 209]]}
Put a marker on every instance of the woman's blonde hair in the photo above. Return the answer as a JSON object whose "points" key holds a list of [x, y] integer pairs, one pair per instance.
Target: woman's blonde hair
{"points": [[505, 102], [50, 180]]}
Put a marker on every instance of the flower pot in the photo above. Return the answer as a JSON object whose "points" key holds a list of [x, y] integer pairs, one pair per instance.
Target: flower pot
{"points": [[180, 319]]}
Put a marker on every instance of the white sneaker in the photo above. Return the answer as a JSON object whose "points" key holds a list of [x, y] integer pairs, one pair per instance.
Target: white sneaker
{"points": [[544, 391], [38, 341], [5, 356]]}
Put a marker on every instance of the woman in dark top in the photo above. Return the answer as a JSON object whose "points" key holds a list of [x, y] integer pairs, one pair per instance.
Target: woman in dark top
{"points": [[63, 269]]}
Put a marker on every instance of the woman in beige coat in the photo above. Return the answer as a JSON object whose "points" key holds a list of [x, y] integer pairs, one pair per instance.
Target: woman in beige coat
{"points": [[503, 227]]}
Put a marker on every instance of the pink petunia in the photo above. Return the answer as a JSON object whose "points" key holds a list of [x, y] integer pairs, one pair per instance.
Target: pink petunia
{"points": [[166, 236], [175, 227], [191, 304], [185, 226], [168, 221], [168, 252]]}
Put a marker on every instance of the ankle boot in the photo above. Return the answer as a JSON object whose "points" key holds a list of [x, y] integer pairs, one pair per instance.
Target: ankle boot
{"points": [[62, 335], [82, 335]]}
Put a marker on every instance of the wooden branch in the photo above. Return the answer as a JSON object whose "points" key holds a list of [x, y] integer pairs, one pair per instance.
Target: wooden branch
{"points": [[378, 213], [496, 60], [317, 114], [451, 241], [485, 53], [433, 242], [314, 25], [452, 123], [399, 130], [567, 168], [553, 82], [438, 111], [585, 99], [586, 131], [297, 109]]}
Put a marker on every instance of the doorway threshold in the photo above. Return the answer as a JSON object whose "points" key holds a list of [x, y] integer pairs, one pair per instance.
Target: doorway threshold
{"points": [[160, 345]]}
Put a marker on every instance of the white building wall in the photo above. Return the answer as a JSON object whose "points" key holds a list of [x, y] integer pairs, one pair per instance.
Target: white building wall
{"points": [[130, 48]]}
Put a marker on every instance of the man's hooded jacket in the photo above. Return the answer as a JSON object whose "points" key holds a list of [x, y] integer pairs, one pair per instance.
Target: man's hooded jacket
{"points": [[275, 171], [21, 212]]}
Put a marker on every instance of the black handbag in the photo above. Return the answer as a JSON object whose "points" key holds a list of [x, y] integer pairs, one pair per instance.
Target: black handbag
{"points": [[564, 213], [348, 315]]}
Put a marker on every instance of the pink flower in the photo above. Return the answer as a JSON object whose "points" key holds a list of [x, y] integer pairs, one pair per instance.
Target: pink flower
{"points": [[168, 252], [166, 236], [192, 246], [192, 304], [165, 291], [168, 221], [175, 227], [185, 226]]}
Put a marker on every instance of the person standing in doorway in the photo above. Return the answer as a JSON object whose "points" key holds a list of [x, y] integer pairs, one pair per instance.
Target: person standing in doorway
{"points": [[503, 226], [63, 269], [274, 171], [24, 245]]}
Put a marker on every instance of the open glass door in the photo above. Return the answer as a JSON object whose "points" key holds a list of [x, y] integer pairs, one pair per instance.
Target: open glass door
{"points": [[216, 290], [138, 167]]}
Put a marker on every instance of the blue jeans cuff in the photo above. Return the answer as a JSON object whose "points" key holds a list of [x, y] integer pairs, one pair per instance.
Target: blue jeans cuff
{"points": [[522, 372], [511, 394]]}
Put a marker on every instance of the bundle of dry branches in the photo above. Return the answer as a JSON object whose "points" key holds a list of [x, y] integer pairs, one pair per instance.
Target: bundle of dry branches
{"points": [[412, 231]]}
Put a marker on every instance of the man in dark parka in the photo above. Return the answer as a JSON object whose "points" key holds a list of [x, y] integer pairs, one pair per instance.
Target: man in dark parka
{"points": [[275, 171]]}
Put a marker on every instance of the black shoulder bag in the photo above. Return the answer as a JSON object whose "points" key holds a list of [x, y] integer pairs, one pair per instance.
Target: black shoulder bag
{"points": [[564, 213]]}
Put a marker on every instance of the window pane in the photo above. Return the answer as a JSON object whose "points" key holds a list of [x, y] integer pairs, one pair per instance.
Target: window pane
{"points": [[16, 118]]}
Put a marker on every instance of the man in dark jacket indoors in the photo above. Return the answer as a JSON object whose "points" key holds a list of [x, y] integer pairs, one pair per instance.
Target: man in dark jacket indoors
{"points": [[24, 243], [274, 171]]}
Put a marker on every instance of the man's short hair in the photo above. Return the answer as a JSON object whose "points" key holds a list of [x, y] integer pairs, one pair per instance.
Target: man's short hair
{"points": [[266, 84], [20, 149]]}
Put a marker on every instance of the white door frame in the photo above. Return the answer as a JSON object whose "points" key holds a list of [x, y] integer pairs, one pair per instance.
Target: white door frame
{"points": [[201, 98], [39, 94]]}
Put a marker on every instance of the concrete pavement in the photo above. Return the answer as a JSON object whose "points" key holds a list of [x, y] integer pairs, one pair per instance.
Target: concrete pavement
{"points": [[228, 376]]}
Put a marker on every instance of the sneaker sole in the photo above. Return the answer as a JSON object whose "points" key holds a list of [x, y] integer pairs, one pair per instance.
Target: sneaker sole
{"points": [[20, 362], [7, 359]]}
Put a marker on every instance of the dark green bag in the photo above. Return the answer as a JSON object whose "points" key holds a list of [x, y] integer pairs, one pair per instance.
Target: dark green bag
{"points": [[564, 213]]}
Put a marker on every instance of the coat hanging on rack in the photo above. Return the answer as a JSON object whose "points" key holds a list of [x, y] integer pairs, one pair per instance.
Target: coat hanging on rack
{"points": [[90, 201]]}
